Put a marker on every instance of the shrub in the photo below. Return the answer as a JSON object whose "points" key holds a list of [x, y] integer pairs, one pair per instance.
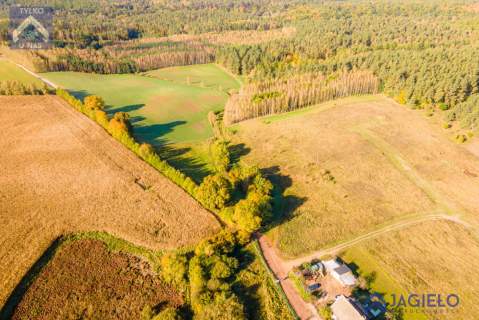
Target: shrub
{"points": [[220, 155], [224, 306], [146, 150], [461, 138], [214, 192], [94, 102], [101, 117], [211, 273], [168, 313], [174, 267], [14, 88], [444, 107]]}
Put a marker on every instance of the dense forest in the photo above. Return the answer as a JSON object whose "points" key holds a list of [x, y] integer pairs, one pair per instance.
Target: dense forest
{"points": [[422, 51]]}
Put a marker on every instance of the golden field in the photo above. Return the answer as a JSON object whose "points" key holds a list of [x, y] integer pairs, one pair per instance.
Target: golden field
{"points": [[61, 173]]}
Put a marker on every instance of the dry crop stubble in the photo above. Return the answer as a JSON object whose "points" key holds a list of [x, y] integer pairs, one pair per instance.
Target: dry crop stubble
{"points": [[62, 173]]}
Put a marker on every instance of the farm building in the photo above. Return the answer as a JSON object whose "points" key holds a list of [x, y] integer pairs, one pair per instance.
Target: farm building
{"points": [[340, 272], [345, 308]]}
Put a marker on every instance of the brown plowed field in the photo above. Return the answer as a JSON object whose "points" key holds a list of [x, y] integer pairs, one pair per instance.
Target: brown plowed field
{"points": [[84, 280], [61, 173]]}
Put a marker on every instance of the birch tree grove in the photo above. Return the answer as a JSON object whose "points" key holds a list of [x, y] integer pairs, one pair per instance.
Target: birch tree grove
{"points": [[269, 97]]}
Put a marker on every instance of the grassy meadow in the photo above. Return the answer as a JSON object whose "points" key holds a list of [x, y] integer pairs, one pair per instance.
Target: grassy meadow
{"points": [[351, 166], [164, 107], [202, 75], [433, 257], [11, 72]]}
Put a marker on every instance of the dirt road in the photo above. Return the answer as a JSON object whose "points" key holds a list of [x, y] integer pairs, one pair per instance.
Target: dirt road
{"points": [[303, 309], [281, 267], [289, 264]]}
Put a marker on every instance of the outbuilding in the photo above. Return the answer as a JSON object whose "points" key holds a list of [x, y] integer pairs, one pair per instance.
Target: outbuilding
{"points": [[340, 272]]}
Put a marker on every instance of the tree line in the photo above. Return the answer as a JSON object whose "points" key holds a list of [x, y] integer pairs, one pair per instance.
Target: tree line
{"points": [[240, 194], [16, 88], [273, 96], [123, 57]]}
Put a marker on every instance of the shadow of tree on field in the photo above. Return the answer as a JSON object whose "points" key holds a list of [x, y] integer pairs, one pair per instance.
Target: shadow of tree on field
{"points": [[151, 133], [79, 94], [284, 206], [16, 296], [167, 150], [136, 119], [176, 156], [237, 151], [129, 108]]}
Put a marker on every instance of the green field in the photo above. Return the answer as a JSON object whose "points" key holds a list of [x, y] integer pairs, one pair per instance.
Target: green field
{"points": [[9, 72], [163, 111], [203, 75]]}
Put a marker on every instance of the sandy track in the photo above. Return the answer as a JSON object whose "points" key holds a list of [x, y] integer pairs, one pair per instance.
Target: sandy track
{"points": [[303, 309], [281, 267], [62, 173], [403, 224]]}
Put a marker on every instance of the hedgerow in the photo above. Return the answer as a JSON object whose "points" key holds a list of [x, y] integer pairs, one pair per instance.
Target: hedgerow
{"points": [[119, 127]]}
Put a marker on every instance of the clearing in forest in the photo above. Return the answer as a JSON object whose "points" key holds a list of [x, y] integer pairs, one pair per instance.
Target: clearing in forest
{"points": [[201, 75], [350, 166], [173, 110], [431, 257], [62, 173]]}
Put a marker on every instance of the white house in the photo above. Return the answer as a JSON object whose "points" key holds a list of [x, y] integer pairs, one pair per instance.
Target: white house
{"points": [[347, 309], [340, 272]]}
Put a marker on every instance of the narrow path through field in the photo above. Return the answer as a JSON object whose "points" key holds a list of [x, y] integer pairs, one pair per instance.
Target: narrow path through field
{"points": [[281, 267], [36, 75], [289, 264], [397, 160]]}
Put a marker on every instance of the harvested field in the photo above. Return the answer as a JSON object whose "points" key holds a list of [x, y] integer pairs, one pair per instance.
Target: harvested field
{"points": [[62, 173], [85, 280], [433, 257], [350, 166]]}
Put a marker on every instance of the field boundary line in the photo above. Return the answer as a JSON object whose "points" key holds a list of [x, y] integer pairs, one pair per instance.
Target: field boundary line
{"points": [[235, 77]]}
